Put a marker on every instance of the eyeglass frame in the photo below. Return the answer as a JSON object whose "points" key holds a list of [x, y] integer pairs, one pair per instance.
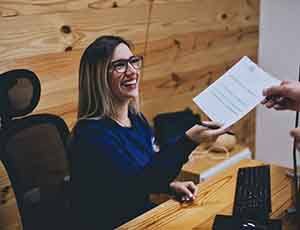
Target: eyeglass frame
{"points": [[112, 67]]}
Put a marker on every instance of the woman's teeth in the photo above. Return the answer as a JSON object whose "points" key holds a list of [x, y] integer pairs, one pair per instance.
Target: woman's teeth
{"points": [[129, 83]]}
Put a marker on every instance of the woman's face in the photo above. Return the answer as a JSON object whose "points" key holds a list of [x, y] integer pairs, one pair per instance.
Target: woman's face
{"points": [[125, 73]]}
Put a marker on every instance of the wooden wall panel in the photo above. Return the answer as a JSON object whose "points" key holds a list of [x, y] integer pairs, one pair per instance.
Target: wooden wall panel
{"points": [[190, 47], [29, 7], [187, 45]]}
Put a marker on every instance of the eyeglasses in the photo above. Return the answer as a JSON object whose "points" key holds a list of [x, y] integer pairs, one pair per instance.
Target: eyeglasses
{"points": [[121, 65]]}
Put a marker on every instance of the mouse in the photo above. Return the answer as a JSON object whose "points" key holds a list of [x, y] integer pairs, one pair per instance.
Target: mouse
{"points": [[248, 225], [252, 225]]}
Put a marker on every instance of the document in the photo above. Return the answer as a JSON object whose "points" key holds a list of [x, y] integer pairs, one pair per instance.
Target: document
{"points": [[235, 93]]}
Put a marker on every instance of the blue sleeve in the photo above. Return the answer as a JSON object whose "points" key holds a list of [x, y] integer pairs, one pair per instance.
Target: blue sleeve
{"points": [[173, 155], [169, 159]]}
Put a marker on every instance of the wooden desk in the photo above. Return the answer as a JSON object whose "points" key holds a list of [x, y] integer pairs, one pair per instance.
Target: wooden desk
{"points": [[201, 163], [215, 196]]}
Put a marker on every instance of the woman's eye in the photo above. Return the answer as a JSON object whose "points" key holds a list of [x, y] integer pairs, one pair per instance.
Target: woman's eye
{"points": [[135, 59], [136, 62], [120, 65]]}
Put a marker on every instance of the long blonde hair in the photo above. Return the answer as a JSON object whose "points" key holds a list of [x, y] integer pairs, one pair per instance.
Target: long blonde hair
{"points": [[95, 95]]}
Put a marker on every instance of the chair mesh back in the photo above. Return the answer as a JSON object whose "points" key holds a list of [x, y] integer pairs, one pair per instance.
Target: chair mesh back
{"points": [[19, 92], [35, 154], [33, 151]]}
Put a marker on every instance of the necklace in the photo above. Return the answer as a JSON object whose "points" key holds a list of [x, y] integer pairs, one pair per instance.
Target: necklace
{"points": [[126, 123]]}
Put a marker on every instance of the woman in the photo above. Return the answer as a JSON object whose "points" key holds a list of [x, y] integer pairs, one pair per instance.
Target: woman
{"points": [[114, 165]]}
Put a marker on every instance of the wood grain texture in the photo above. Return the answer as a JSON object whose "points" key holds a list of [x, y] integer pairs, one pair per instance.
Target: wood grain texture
{"points": [[215, 196], [200, 161], [29, 36], [9, 213], [28, 7]]}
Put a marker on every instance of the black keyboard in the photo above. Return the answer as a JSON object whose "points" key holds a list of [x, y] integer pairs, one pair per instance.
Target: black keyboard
{"points": [[253, 194], [252, 202]]}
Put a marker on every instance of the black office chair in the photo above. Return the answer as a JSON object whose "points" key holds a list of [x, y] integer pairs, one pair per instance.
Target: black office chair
{"points": [[33, 151]]}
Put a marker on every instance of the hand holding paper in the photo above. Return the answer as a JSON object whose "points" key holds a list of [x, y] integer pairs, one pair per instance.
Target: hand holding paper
{"points": [[235, 93], [285, 96]]}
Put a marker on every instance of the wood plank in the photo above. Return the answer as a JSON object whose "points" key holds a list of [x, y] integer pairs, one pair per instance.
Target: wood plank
{"points": [[28, 7], [167, 58], [29, 36], [205, 15], [190, 74]]}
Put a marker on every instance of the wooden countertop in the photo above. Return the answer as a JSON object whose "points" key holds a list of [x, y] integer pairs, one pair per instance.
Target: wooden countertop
{"points": [[215, 196]]}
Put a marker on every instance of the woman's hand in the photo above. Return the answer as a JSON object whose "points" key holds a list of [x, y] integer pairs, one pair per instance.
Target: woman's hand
{"points": [[207, 133], [186, 191]]}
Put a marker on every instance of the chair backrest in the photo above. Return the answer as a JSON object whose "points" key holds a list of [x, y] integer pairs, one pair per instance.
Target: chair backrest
{"points": [[33, 148], [33, 152], [19, 93]]}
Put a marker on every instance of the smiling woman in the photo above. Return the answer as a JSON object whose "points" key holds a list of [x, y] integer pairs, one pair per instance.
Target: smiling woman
{"points": [[114, 163]]}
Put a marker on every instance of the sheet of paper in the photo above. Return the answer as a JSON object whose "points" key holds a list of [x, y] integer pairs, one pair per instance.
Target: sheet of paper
{"points": [[235, 93]]}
